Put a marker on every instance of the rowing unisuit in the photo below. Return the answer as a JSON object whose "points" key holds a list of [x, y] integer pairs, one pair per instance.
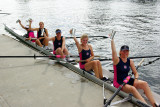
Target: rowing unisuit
{"points": [[58, 43], [30, 34], [121, 72], [84, 54]]}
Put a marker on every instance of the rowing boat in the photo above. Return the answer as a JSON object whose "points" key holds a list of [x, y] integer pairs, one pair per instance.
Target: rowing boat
{"points": [[76, 69]]}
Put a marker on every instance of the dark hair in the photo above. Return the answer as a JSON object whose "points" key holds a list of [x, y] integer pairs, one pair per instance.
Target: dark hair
{"points": [[58, 31]]}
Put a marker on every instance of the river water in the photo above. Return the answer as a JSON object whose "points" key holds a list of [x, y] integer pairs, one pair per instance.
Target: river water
{"points": [[137, 24]]}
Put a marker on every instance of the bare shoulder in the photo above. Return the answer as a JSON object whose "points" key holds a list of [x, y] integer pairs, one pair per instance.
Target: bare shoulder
{"points": [[131, 62], [63, 37], [90, 46], [52, 38], [46, 30]]}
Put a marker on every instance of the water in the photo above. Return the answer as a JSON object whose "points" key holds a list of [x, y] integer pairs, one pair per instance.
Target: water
{"points": [[137, 24]]}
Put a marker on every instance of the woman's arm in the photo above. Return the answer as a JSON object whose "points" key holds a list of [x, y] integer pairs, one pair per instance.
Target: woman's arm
{"points": [[63, 43], [114, 53], [51, 39], [77, 43], [21, 25], [28, 38], [46, 33], [33, 29], [133, 68]]}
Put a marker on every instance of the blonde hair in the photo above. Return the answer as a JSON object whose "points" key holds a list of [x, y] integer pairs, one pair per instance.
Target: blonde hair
{"points": [[84, 36]]}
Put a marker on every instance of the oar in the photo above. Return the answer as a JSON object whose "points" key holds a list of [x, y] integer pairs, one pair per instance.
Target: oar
{"points": [[57, 56], [26, 56], [53, 56], [105, 58], [109, 59], [70, 37], [5, 13], [78, 56], [152, 56], [120, 87]]}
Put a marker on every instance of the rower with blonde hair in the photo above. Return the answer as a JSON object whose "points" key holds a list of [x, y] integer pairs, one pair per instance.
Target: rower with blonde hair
{"points": [[42, 35], [86, 56]]}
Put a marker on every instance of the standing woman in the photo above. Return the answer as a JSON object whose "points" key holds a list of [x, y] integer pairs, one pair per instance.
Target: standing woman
{"points": [[30, 33], [86, 53], [42, 34], [59, 44], [122, 66]]}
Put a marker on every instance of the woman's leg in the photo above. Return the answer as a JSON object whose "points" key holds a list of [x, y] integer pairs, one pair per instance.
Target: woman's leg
{"points": [[92, 65], [139, 84], [59, 52], [65, 51], [131, 89], [38, 43], [99, 69], [45, 41]]}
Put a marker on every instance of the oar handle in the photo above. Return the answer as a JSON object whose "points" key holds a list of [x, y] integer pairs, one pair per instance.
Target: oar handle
{"points": [[112, 34], [33, 38], [80, 60], [139, 64]]}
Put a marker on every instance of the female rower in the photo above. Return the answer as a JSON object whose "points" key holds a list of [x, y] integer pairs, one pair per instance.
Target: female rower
{"points": [[86, 53], [42, 34], [122, 65], [59, 44], [30, 33]]}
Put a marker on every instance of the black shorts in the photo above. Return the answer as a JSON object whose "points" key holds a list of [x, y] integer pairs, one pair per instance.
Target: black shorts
{"points": [[42, 41], [131, 81]]}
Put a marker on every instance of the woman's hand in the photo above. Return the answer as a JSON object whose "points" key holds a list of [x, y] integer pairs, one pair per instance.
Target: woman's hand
{"points": [[19, 21], [44, 34], [88, 60], [41, 38], [30, 20], [71, 31]]}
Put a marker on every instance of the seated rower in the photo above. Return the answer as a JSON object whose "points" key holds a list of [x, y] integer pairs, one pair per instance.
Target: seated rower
{"points": [[86, 53], [30, 33], [122, 66], [42, 34], [59, 44]]}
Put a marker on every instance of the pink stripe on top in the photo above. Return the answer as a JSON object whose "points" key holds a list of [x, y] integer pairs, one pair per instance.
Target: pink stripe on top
{"points": [[80, 64], [31, 34], [54, 52], [115, 83]]}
